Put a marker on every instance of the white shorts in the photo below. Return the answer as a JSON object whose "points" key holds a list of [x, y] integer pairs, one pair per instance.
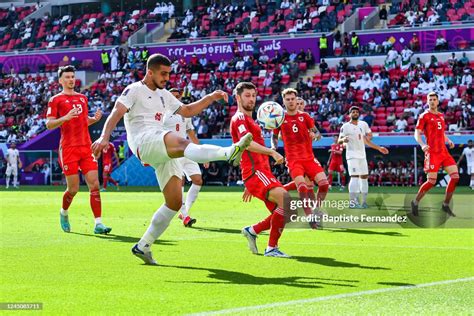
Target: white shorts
{"points": [[470, 169], [190, 167], [11, 170], [357, 166], [152, 151]]}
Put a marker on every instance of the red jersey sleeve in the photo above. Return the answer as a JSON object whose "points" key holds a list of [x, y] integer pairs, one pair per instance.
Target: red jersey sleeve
{"points": [[309, 121], [421, 123], [52, 108]]}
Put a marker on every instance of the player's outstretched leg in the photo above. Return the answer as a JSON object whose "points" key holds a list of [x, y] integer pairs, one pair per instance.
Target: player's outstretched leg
{"points": [[277, 195], [206, 153]]}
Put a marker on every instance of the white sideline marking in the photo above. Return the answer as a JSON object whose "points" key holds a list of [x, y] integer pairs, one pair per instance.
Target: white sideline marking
{"points": [[331, 297]]}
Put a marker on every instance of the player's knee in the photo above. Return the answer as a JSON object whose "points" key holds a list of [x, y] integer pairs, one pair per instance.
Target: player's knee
{"points": [[454, 176], [73, 190], [432, 180], [94, 185], [197, 181], [323, 185], [175, 205]]}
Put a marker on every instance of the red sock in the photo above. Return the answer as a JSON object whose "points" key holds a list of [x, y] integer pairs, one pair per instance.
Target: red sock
{"points": [[67, 200], [330, 178], [106, 180], [323, 187], [311, 194], [343, 179], [451, 187], [113, 181], [277, 226], [291, 186], [96, 204], [425, 187], [263, 225], [303, 193]]}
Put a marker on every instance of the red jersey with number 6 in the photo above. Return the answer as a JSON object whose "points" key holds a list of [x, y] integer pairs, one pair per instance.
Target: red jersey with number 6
{"points": [[76, 131], [296, 139], [433, 126]]}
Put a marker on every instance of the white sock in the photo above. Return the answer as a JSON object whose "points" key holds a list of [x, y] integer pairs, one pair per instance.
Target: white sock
{"points": [[206, 153], [64, 212], [191, 196], [98, 220], [354, 189], [364, 189], [183, 209], [15, 181], [159, 222], [472, 183]]}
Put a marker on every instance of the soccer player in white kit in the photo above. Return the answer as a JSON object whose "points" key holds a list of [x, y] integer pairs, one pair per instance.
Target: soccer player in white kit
{"points": [[356, 134], [13, 161], [468, 152], [144, 104], [184, 127]]}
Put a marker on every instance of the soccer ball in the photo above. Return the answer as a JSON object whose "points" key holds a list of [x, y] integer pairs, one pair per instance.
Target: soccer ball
{"points": [[270, 114]]}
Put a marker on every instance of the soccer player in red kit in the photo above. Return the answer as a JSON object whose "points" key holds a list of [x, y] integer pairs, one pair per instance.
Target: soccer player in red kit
{"points": [[69, 111], [335, 162], [107, 154], [298, 132], [256, 174], [432, 124]]}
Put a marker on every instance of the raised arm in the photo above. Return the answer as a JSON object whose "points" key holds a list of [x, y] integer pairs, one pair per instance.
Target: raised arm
{"points": [[94, 119], [195, 108]]}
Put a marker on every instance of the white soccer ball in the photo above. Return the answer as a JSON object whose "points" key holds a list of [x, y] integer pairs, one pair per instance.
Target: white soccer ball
{"points": [[270, 114]]}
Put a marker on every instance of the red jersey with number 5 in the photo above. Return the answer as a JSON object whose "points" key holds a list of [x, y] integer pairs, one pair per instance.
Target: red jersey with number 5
{"points": [[433, 126], [296, 139], [76, 131]]}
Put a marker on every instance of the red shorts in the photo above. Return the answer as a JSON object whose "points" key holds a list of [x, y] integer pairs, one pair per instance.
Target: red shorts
{"points": [[434, 161], [336, 165], [303, 168], [259, 185], [73, 159], [107, 167]]}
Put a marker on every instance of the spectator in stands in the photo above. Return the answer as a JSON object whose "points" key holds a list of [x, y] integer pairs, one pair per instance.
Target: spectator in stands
{"points": [[337, 41], [372, 47], [392, 59], [2, 118], [401, 124], [46, 171], [464, 61], [406, 55], [256, 49], [441, 43], [369, 119], [387, 45], [383, 15], [346, 44], [391, 118], [323, 66], [415, 43], [466, 78], [343, 65], [105, 60], [202, 129]]}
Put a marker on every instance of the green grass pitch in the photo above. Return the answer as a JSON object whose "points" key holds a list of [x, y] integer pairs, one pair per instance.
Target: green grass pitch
{"points": [[209, 268]]}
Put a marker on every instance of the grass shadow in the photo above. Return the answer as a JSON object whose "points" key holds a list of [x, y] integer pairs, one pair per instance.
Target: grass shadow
{"points": [[222, 276], [367, 232], [218, 230], [396, 283], [126, 239], [331, 262]]}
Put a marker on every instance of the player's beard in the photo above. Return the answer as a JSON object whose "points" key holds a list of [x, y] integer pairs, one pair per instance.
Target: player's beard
{"points": [[248, 107], [354, 118], [159, 86]]}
